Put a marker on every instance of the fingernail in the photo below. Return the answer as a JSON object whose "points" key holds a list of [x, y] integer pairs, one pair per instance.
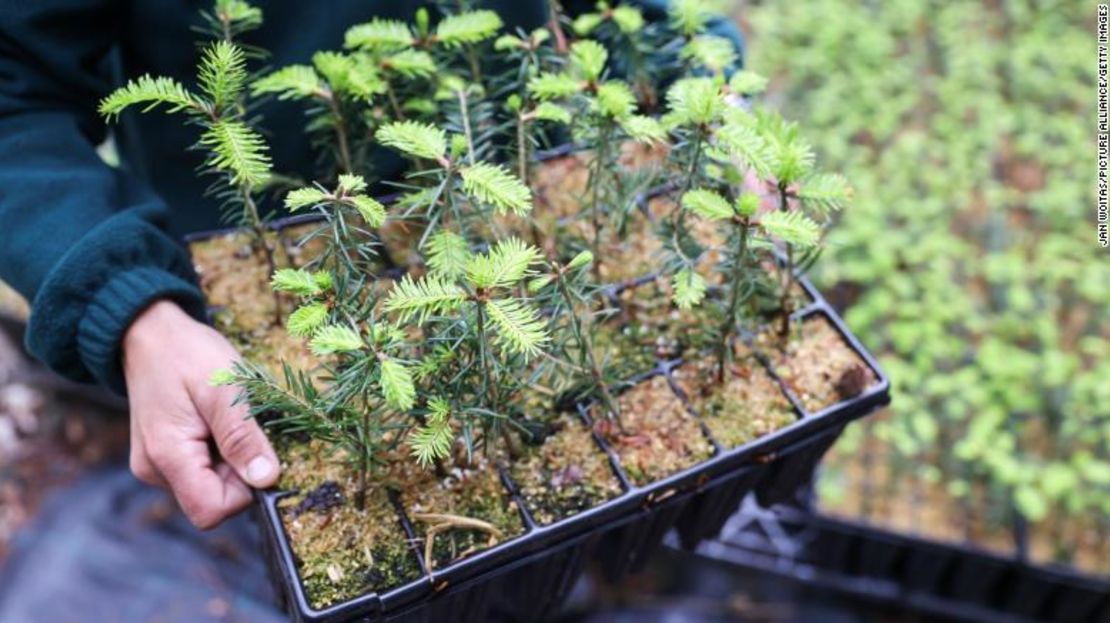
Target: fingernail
{"points": [[259, 469]]}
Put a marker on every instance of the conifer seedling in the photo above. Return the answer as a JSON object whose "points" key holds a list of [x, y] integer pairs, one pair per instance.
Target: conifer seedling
{"points": [[234, 151]]}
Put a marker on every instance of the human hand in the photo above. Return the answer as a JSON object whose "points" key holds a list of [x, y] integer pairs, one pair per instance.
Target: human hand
{"points": [[167, 360]]}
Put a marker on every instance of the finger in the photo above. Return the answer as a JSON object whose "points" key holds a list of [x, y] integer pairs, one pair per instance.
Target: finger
{"points": [[240, 439], [207, 494], [143, 470], [138, 461]]}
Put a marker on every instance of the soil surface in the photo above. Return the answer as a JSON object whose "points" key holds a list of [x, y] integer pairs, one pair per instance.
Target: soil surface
{"points": [[749, 405], [341, 551], [645, 325], [464, 513], [566, 475], [818, 365], [660, 437]]}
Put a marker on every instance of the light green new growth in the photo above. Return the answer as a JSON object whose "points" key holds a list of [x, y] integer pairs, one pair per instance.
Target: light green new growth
{"points": [[239, 151], [333, 339], [467, 28], [397, 385], [306, 319], [432, 441], [299, 281], [379, 35], [707, 204], [447, 254], [689, 288], [493, 185], [223, 74], [149, 92], [420, 140], [419, 298]]}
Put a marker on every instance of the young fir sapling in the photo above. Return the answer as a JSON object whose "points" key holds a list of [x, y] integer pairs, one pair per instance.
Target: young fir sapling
{"points": [[230, 18], [461, 193], [728, 155], [370, 376], [800, 191], [339, 88], [621, 29], [348, 251], [565, 292], [402, 52], [470, 299], [234, 151], [604, 113]]}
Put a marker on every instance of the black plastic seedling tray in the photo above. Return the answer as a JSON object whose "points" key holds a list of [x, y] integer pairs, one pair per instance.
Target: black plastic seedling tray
{"points": [[526, 578], [948, 580]]}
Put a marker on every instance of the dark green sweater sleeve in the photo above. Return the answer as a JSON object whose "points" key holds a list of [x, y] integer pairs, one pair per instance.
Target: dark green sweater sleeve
{"points": [[84, 242]]}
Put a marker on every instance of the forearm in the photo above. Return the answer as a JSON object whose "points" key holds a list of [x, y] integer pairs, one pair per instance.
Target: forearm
{"points": [[84, 243]]}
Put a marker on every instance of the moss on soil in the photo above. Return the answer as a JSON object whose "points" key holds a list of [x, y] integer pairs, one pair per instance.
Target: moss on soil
{"points": [[747, 406], [476, 493], [566, 475], [817, 364], [341, 552], [647, 326], [660, 438]]}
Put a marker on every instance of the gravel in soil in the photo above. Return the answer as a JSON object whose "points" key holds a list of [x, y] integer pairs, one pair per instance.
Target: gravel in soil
{"points": [[817, 364], [565, 475], [341, 551], [660, 437]]}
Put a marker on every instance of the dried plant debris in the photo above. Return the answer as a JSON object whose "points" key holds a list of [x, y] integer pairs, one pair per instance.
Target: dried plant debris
{"points": [[464, 513]]}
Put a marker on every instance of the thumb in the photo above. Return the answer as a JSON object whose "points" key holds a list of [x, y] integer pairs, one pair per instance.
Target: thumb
{"points": [[240, 440]]}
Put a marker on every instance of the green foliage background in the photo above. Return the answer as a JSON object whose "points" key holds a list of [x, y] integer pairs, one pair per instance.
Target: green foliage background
{"points": [[970, 258]]}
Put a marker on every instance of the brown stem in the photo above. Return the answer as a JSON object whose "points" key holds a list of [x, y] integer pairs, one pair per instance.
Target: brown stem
{"points": [[340, 134], [582, 327], [522, 149], [464, 110], [393, 103], [601, 154], [491, 387], [785, 301], [555, 23], [364, 464], [728, 326], [475, 66], [259, 229]]}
